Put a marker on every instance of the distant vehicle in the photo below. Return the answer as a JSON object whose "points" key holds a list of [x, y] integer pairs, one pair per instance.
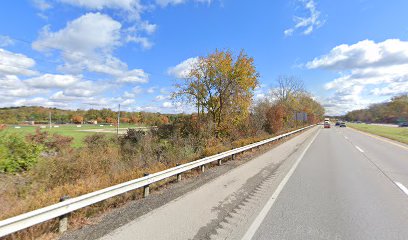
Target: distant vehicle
{"points": [[342, 124], [337, 123], [359, 122], [326, 125], [404, 124]]}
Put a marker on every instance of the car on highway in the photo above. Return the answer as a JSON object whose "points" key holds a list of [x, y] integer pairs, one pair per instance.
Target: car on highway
{"points": [[326, 125], [337, 123], [342, 124], [404, 124]]}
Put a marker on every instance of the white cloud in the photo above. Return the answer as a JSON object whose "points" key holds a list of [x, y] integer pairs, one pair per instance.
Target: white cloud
{"points": [[133, 8], [151, 89], [61, 97], [134, 76], [161, 97], [87, 34], [183, 69], [306, 24], [128, 102], [148, 27], [143, 41], [165, 3], [137, 90], [363, 54], [38, 101], [15, 64], [12, 87], [6, 41], [391, 89], [52, 81], [127, 95], [86, 44], [367, 69], [86, 89], [167, 105], [41, 4]]}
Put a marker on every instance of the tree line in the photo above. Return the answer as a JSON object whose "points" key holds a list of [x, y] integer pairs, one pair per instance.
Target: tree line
{"points": [[17, 115], [394, 111], [221, 87]]}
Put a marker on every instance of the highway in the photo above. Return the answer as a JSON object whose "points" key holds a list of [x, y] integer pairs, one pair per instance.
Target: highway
{"points": [[344, 188], [334, 183]]}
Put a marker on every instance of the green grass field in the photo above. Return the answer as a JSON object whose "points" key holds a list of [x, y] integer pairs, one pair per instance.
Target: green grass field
{"points": [[394, 133], [67, 130]]}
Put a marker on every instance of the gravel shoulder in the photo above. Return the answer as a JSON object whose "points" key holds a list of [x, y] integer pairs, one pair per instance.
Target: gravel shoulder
{"points": [[116, 218]]}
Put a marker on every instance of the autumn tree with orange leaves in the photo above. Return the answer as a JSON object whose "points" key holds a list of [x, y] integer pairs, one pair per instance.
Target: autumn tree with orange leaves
{"points": [[221, 87]]}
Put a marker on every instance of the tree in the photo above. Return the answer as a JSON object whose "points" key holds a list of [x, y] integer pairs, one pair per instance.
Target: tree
{"points": [[164, 119], [221, 86], [134, 119], [394, 111], [275, 116], [287, 87], [111, 120], [125, 120], [77, 119]]}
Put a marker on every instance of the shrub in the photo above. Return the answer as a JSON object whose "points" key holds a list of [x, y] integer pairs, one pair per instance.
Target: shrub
{"points": [[165, 131], [53, 143], [209, 151], [97, 141], [17, 155]]}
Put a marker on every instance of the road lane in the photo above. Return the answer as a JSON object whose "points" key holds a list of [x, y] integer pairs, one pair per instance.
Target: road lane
{"points": [[336, 192], [392, 159], [222, 208]]}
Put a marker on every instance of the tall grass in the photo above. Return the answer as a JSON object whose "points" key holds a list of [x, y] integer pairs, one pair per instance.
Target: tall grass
{"points": [[103, 161]]}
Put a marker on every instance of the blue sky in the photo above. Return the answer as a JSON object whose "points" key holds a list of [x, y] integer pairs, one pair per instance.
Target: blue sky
{"points": [[99, 53]]}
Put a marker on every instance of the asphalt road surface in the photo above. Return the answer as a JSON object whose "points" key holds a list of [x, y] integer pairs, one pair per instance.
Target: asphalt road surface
{"points": [[324, 184]]}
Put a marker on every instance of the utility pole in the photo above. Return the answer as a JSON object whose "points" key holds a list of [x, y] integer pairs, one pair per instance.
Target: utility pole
{"points": [[50, 119], [117, 126]]}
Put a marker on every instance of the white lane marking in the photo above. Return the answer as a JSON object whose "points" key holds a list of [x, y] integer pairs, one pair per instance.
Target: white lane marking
{"points": [[402, 187], [359, 149], [346, 137], [258, 220], [380, 138]]}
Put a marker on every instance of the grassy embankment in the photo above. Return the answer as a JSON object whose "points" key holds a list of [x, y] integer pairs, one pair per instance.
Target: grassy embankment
{"points": [[394, 133], [68, 130]]}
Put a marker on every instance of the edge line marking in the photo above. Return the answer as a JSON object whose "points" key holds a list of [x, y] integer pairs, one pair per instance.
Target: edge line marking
{"points": [[381, 138], [261, 216], [402, 187]]}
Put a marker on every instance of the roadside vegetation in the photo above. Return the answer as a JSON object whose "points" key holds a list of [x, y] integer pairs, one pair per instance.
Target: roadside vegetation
{"points": [[78, 134], [394, 111], [394, 133], [42, 166]]}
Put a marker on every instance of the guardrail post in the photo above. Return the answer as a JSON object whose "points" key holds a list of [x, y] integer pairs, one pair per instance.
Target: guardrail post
{"points": [[202, 167], [63, 219], [146, 189], [179, 174], [219, 162], [233, 157]]}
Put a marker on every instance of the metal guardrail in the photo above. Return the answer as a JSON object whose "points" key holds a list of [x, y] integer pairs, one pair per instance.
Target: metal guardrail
{"points": [[29, 219]]}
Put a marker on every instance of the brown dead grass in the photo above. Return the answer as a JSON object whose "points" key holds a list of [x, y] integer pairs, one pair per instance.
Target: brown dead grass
{"points": [[84, 171]]}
